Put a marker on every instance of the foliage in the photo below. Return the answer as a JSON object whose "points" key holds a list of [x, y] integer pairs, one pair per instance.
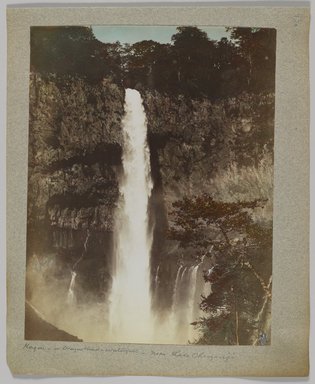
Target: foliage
{"points": [[193, 217], [258, 48], [240, 252], [196, 66], [191, 64], [72, 50], [194, 54], [247, 183], [147, 63]]}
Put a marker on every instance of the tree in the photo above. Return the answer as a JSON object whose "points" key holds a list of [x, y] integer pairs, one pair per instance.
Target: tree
{"points": [[141, 58], [230, 68], [71, 51], [240, 276], [194, 59], [258, 47]]}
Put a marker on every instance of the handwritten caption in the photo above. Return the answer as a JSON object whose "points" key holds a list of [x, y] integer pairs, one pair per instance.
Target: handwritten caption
{"points": [[180, 354]]}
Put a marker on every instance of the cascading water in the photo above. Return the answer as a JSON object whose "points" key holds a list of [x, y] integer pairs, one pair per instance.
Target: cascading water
{"points": [[178, 288], [130, 315], [156, 279], [130, 298], [175, 291], [184, 311], [71, 296], [192, 299]]}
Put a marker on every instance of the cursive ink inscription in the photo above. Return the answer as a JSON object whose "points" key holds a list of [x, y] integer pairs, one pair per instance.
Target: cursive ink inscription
{"points": [[179, 354]]}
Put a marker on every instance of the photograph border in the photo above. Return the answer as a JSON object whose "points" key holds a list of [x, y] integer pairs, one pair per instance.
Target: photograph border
{"points": [[288, 353]]}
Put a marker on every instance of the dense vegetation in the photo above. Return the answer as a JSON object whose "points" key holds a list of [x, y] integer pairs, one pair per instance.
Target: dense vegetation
{"points": [[191, 64], [72, 51], [217, 102], [236, 311]]}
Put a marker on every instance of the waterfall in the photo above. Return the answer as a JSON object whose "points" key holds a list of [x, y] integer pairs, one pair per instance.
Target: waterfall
{"points": [[131, 317], [175, 290], [84, 251], [156, 279], [184, 303], [130, 298], [179, 289], [192, 299], [71, 296]]}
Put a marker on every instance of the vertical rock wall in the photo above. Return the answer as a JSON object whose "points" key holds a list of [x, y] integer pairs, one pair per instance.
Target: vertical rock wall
{"points": [[74, 163]]}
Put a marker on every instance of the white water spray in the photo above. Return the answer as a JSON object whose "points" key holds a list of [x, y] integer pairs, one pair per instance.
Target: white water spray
{"points": [[130, 299]]}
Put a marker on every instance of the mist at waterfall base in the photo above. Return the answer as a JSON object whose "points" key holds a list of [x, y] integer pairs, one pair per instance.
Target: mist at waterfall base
{"points": [[128, 314]]}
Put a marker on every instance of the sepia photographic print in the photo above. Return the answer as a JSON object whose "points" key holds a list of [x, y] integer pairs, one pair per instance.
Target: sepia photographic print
{"points": [[150, 184], [157, 191]]}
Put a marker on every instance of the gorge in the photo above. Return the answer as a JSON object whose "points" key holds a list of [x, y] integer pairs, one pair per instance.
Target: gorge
{"points": [[152, 278], [149, 210]]}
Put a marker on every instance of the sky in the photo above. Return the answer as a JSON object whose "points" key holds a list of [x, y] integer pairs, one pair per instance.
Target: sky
{"points": [[161, 34]]}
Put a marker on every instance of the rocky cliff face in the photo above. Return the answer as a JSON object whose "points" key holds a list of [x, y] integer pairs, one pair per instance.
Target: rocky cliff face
{"points": [[75, 161], [74, 147], [190, 142], [193, 139]]}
